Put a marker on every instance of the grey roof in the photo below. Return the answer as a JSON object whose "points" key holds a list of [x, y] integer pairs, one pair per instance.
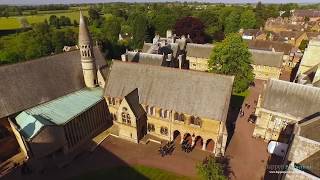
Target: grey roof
{"points": [[269, 45], [146, 58], [192, 92], [266, 58], [310, 129], [199, 50], [27, 84], [133, 100], [290, 98]]}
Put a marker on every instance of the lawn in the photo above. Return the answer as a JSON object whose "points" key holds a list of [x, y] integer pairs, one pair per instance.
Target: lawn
{"points": [[14, 22], [9, 23], [132, 173]]}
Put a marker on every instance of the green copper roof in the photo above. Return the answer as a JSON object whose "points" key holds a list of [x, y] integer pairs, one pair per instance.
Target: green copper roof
{"points": [[58, 111]]}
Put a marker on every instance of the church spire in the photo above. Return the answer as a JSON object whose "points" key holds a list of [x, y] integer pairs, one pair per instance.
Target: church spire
{"points": [[84, 36], [87, 56]]}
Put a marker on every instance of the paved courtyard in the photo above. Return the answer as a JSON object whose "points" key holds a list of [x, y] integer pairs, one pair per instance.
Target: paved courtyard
{"points": [[114, 152], [248, 156]]}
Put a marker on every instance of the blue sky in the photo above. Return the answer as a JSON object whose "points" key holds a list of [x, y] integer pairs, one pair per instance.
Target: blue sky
{"points": [[95, 1]]}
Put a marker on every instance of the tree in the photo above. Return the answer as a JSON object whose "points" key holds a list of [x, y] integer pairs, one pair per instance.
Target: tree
{"points": [[190, 26], [232, 22], [64, 21], [211, 20], [54, 21], [232, 57], [248, 19], [303, 45], [139, 28], [112, 28], [163, 20], [93, 14], [209, 169]]}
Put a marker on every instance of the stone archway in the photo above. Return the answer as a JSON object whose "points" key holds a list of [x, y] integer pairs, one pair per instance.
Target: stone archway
{"points": [[210, 145], [176, 136], [198, 142], [188, 137]]}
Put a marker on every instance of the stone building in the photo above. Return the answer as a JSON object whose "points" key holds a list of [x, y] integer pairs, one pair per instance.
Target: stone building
{"points": [[281, 105], [266, 64], [291, 37], [198, 56], [253, 34], [301, 14], [289, 51], [155, 102], [283, 24], [44, 98], [62, 125], [304, 151]]}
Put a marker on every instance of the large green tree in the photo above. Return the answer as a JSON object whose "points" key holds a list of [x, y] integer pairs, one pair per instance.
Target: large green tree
{"points": [[111, 27], [232, 57], [248, 19], [210, 169], [232, 23], [139, 28]]}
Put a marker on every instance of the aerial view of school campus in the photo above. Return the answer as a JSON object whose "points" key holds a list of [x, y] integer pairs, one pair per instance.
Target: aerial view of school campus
{"points": [[159, 90]]}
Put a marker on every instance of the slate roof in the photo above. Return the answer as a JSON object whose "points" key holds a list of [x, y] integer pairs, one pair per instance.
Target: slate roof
{"points": [[311, 128], [308, 128], [252, 32], [58, 111], [192, 92], [268, 45], [199, 50], [133, 100], [146, 58], [266, 58], [27, 84], [290, 98], [288, 34]]}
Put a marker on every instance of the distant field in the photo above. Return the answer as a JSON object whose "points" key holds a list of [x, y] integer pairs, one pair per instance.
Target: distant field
{"points": [[9, 23], [14, 22]]}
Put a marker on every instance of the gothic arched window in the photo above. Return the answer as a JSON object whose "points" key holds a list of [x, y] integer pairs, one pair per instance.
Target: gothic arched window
{"points": [[125, 116]]}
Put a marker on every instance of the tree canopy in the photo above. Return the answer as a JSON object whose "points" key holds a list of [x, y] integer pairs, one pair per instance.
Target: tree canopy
{"points": [[248, 20], [232, 57], [231, 23], [209, 169], [190, 26]]}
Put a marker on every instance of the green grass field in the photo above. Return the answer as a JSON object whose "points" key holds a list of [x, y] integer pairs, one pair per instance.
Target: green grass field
{"points": [[14, 22], [133, 173]]}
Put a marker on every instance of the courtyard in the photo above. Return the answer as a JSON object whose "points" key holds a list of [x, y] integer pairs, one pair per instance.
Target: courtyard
{"points": [[247, 156]]}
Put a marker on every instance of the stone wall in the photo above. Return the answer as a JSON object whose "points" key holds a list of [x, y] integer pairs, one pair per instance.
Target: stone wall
{"points": [[199, 64], [266, 72]]}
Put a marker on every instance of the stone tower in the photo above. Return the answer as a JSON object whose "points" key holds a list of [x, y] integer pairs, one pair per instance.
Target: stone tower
{"points": [[87, 56]]}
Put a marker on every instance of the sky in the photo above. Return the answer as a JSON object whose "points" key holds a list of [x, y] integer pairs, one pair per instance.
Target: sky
{"points": [[28, 2]]}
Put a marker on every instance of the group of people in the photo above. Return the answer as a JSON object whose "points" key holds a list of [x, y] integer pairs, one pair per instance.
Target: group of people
{"points": [[186, 146], [167, 149]]}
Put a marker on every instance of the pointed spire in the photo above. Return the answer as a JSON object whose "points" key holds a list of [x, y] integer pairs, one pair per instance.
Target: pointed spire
{"points": [[84, 36]]}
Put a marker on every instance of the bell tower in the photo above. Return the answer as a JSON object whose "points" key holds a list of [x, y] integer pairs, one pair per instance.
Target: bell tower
{"points": [[87, 57]]}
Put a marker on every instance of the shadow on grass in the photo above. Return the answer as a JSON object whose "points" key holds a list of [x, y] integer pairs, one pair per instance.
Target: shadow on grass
{"points": [[234, 108]]}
